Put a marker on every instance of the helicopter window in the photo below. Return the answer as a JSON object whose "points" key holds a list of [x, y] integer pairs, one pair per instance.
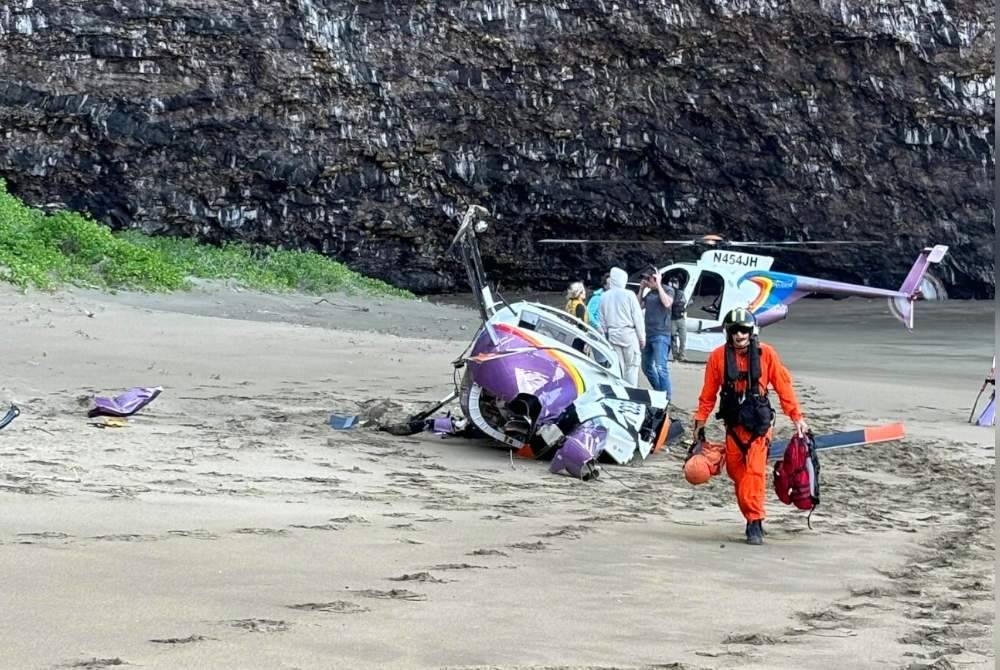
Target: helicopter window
{"points": [[707, 295], [528, 321], [559, 326], [563, 332]]}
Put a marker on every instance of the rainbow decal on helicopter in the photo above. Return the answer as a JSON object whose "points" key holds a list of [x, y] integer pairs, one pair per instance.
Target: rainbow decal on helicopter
{"points": [[773, 289], [561, 359]]}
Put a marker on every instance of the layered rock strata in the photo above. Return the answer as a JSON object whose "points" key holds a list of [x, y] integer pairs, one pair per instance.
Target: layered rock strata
{"points": [[363, 129]]}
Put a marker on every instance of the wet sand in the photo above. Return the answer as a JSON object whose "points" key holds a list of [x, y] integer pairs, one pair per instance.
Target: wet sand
{"points": [[227, 526]]}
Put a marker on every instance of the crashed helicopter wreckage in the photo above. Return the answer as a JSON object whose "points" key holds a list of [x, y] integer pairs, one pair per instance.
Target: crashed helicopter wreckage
{"points": [[542, 383]]}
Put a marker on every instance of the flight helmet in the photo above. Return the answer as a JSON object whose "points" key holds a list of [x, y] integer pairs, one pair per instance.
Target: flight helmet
{"points": [[738, 318]]}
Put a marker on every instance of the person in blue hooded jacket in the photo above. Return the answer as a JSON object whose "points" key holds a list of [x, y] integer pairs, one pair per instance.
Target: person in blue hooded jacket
{"points": [[594, 304]]}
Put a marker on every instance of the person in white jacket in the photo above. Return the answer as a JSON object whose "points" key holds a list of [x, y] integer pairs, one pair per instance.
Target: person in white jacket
{"points": [[622, 323]]}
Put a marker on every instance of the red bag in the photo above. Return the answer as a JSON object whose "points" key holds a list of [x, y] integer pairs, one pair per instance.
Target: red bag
{"points": [[796, 475]]}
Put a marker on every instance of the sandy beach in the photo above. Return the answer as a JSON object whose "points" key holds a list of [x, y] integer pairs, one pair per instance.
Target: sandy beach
{"points": [[228, 526]]}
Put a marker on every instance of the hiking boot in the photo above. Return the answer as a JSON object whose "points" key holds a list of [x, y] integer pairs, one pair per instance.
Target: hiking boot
{"points": [[755, 533]]}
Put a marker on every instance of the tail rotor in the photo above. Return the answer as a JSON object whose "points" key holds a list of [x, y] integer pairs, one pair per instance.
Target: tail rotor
{"points": [[901, 306]]}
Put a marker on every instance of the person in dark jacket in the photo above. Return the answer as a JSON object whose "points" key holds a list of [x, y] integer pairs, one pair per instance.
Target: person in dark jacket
{"points": [[656, 303], [678, 316]]}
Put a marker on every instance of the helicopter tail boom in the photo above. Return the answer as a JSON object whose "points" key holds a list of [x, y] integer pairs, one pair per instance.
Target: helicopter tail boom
{"points": [[777, 290], [466, 247]]}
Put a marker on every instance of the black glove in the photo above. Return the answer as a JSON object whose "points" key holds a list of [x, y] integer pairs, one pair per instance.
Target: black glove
{"points": [[699, 438]]}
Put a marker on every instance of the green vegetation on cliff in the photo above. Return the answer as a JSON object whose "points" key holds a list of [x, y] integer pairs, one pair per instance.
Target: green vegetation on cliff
{"points": [[47, 250]]}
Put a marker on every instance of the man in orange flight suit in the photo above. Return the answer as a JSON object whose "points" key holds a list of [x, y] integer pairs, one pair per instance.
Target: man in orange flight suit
{"points": [[747, 415]]}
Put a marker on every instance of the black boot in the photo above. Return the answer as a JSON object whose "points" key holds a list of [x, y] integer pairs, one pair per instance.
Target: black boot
{"points": [[755, 533]]}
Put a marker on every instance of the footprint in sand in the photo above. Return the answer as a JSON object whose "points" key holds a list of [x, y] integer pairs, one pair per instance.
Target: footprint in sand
{"points": [[182, 640], [320, 526], [322, 480], [196, 534], [31, 488], [392, 594], [735, 653], [97, 663], [259, 625], [352, 518], [529, 546], [851, 607], [749, 638], [487, 552], [822, 619], [425, 577], [617, 517], [458, 566], [274, 532], [569, 532], [125, 537], [30, 538], [335, 606]]}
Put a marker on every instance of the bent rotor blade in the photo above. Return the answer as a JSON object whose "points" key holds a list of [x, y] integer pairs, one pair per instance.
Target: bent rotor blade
{"points": [[850, 438]]}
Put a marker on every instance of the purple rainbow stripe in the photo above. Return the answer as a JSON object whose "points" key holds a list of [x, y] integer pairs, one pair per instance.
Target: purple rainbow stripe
{"points": [[562, 360], [773, 289]]}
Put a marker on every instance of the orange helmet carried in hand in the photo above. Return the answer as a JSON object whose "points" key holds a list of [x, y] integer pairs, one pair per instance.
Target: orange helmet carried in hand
{"points": [[704, 462], [697, 470]]}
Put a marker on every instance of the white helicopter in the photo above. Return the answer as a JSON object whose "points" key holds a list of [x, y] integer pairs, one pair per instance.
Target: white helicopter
{"points": [[723, 279]]}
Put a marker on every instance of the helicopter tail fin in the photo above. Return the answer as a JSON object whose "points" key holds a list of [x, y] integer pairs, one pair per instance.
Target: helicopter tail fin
{"points": [[902, 306]]}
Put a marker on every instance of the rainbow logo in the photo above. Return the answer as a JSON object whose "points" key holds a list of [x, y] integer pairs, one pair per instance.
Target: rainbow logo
{"points": [[559, 358], [773, 288], [764, 287]]}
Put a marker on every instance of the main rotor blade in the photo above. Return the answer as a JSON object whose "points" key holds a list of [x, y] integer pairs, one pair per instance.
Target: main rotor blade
{"points": [[796, 250], [803, 243], [661, 242], [715, 241]]}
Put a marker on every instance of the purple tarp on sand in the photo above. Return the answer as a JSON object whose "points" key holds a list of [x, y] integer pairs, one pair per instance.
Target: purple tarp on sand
{"points": [[125, 404]]}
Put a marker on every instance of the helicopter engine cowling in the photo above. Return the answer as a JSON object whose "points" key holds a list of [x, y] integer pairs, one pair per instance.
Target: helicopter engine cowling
{"points": [[509, 375], [579, 452]]}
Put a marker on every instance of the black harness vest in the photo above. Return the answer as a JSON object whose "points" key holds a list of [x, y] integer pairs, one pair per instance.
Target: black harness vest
{"points": [[750, 408]]}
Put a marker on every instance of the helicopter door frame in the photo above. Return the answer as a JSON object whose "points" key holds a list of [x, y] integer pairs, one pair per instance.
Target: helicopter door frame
{"points": [[705, 334]]}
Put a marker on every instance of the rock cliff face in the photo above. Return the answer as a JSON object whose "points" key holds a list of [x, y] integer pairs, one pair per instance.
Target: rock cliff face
{"points": [[362, 129]]}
